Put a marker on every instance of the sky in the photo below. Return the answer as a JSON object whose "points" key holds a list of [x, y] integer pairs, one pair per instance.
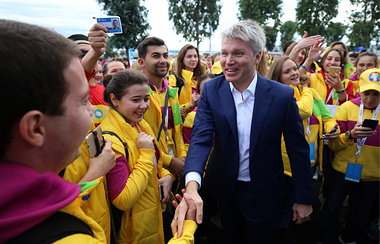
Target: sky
{"points": [[76, 17]]}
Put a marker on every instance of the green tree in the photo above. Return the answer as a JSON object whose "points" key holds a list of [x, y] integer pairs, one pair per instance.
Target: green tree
{"points": [[261, 11], [335, 32], [314, 16], [271, 35], [365, 23], [195, 19], [133, 19], [110, 52], [287, 30]]}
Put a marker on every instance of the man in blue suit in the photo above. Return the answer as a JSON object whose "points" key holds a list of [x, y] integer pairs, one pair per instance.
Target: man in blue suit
{"points": [[247, 114]]}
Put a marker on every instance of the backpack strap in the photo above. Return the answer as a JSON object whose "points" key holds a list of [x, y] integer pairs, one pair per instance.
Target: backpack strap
{"points": [[179, 83], [124, 143], [115, 213], [54, 228]]}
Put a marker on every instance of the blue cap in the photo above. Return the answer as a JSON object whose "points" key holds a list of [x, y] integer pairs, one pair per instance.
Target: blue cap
{"points": [[360, 49]]}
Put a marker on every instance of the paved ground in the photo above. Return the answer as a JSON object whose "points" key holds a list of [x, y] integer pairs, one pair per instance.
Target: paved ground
{"points": [[307, 233]]}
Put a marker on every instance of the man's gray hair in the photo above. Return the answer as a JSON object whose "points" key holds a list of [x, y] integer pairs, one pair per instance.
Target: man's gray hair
{"points": [[249, 31]]}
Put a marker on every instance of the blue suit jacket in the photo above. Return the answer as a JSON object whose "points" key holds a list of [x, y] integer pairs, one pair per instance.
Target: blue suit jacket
{"points": [[275, 113]]}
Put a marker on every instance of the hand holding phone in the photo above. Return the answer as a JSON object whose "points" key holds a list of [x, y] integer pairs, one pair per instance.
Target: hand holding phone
{"points": [[371, 123], [333, 69], [95, 142]]}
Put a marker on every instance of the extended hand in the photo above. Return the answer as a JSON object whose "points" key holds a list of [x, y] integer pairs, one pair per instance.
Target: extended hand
{"points": [[182, 209]]}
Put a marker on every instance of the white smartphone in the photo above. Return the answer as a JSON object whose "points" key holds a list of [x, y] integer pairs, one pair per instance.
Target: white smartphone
{"points": [[95, 142], [334, 69]]}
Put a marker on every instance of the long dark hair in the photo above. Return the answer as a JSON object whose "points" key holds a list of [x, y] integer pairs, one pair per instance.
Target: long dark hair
{"points": [[198, 71]]}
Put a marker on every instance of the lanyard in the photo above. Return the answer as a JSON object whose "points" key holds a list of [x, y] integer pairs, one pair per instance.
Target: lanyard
{"points": [[308, 128], [330, 96], [360, 142]]}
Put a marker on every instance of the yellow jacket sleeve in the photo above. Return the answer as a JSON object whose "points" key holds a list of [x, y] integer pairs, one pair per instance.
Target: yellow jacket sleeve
{"points": [[305, 103], [189, 229], [137, 180]]}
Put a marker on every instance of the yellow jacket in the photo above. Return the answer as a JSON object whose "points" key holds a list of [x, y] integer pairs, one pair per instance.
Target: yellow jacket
{"points": [[74, 209], [139, 199], [96, 206], [153, 116], [345, 149], [320, 115], [187, 90], [318, 83]]}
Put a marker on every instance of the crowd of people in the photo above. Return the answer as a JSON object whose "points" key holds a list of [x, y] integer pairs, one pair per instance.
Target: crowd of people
{"points": [[238, 134]]}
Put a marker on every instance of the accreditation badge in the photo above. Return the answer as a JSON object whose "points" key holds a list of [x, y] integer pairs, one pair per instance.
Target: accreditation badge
{"points": [[353, 172], [312, 151]]}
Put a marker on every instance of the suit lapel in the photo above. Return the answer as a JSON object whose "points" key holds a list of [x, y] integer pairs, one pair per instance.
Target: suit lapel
{"points": [[263, 100], [228, 106]]}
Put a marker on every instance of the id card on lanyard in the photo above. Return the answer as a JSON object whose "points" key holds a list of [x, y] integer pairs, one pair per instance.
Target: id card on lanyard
{"points": [[354, 170], [311, 143]]}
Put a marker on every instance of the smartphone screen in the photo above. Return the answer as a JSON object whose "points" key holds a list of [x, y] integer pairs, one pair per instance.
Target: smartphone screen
{"points": [[371, 123]]}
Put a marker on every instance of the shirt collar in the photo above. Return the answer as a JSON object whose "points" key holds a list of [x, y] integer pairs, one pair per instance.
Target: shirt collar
{"points": [[251, 88], [165, 85]]}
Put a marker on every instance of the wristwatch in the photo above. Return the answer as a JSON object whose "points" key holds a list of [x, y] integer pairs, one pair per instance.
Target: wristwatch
{"points": [[341, 91], [348, 135]]}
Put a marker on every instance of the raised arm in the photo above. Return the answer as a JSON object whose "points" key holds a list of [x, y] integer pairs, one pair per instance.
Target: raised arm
{"points": [[98, 40]]}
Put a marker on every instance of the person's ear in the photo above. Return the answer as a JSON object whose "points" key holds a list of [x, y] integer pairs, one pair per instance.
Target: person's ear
{"points": [[141, 62], [31, 128], [114, 101], [258, 58]]}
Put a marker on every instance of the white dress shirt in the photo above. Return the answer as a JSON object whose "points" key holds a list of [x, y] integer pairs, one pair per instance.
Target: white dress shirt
{"points": [[244, 103]]}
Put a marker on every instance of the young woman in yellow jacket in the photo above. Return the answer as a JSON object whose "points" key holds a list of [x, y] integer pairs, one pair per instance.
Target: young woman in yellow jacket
{"points": [[334, 88], [133, 183], [187, 72], [315, 116]]}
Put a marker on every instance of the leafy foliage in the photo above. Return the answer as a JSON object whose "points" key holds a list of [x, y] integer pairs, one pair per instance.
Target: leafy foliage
{"points": [[271, 35], [335, 32], [195, 19], [365, 23], [287, 30], [133, 18], [261, 10], [314, 16]]}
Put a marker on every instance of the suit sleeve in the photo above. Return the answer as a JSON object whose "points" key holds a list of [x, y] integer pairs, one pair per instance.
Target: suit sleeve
{"points": [[202, 135], [298, 152]]}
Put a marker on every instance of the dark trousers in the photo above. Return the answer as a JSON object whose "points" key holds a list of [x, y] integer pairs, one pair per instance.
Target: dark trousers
{"points": [[242, 220], [362, 196]]}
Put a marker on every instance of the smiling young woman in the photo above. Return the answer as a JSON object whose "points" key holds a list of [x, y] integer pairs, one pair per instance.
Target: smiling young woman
{"points": [[332, 86], [315, 117], [187, 72]]}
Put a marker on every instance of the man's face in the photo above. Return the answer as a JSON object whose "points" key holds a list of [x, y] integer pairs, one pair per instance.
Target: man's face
{"points": [[238, 61], [370, 98], [66, 132], [156, 62], [84, 48]]}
